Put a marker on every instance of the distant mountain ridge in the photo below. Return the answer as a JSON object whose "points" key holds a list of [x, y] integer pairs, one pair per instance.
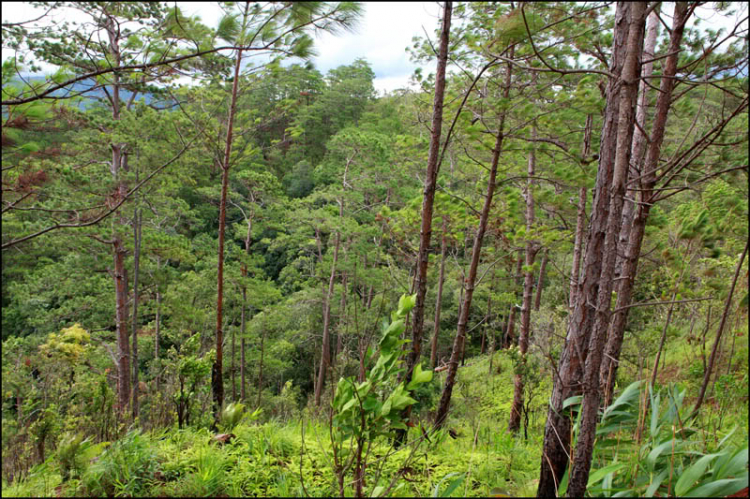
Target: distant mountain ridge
{"points": [[79, 87]]}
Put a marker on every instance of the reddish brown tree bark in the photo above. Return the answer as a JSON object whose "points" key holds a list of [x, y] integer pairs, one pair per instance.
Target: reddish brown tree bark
{"points": [[217, 376], [514, 423], [556, 448], [714, 350], [458, 343], [439, 298], [123, 346], [511, 324], [428, 199], [575, 272], [637, 226], [598, 336], [540, 280], [136, 271]]}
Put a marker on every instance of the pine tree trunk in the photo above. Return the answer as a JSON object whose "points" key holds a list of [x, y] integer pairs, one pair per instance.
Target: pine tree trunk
{"points": [[232, 366], [430, 184], [439, 298], [217, 380], [242, 345], [714, 350], [342, 318], [516, 409], [458, 344], [556, 447], [598, 336], [117, 165], [123, 344], [629, 263], [260, 366], [575, 270], [136, 271], [326, 349], [542, 269]]}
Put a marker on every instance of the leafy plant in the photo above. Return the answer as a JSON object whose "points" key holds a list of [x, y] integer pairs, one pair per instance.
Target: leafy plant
{"points": [[451, 487], [69, 451], [125, 468], [666, 462], [366, 411], [233, 414]]}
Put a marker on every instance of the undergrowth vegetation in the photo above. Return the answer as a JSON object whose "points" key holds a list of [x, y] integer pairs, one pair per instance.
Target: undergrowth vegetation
{"points": [[471, 456]]}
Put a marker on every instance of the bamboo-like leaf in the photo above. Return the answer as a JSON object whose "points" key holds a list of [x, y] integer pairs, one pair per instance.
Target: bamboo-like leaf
{"points": [[693, 474], [598, 475], [656, 483], [719, 488]]}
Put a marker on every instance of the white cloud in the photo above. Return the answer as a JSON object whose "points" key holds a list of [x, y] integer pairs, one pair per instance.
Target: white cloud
{"points": [[381, 37], [383, 34]]}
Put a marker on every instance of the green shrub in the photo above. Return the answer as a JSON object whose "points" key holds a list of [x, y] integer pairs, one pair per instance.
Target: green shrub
{"points": [[126, 468], [69, 454]]}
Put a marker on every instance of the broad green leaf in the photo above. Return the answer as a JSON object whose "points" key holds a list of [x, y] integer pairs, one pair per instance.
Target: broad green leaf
{"points": [[656, 483], [386, 409], [419, 377], [600, 474], [658, 450], [451, 487], [563, 487], [735, 465], [692, 474], [720, 488]]}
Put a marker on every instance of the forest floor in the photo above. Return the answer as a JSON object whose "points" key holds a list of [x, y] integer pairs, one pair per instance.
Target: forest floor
{"points": [[267, 458]]}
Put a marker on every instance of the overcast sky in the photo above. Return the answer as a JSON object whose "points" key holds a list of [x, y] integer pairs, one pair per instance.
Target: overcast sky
{"points": [[381, 38], [383, 34]]}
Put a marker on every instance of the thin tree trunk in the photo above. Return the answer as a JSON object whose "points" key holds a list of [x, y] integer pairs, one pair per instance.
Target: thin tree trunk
{"points": [[136, 271], [662, 341], [342, 318], [516, 409], [542, 269], [458, 344], [232, 367], [439, 298], [489, 315], [734, 337], [325, 359], [511, 324], [248, 241], [714, 350], [575, 271], [260, 366], [242, 345], [639, 137], [326, 349], [157, 333], [428, 199], [598, 336], [121, 278], [123, 344], [217, 380]]}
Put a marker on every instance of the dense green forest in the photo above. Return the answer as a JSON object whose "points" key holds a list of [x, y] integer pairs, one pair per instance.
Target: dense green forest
{"points": [[227, 273]]}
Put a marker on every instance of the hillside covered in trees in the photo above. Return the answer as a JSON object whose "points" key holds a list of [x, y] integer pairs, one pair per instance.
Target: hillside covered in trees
{"points": [[228, 273]]}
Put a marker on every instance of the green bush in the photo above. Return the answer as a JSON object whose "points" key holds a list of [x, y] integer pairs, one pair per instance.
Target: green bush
{"points": [[126, 468]]}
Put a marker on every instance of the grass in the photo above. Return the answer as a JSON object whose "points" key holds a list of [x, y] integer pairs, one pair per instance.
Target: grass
{"points": [[266, 459]]}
